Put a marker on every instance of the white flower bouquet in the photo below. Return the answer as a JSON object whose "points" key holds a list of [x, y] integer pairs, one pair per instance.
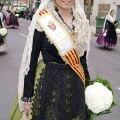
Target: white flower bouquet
{"points": [[118, 32], [17, 15], [3, 32], [99, 98]]}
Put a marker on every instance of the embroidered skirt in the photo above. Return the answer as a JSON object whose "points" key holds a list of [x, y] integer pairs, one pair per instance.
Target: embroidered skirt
{"points": [[59, 95], [11, 20], [110, 40]]}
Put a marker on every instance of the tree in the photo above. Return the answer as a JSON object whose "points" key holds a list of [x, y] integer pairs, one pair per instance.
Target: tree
{"points": [[88, 9], [88, 3]]}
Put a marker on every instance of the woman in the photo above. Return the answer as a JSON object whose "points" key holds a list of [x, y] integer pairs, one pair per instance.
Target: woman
{"points": [[59, 92], [107, 36], [4, 10], [1, 16], [11, 19], [3, 44], [1, 40]]}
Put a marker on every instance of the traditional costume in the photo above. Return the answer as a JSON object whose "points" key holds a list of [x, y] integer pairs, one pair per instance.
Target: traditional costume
{"points": [[11, 19], [107, 36], [60, 78], [4, 10], [3, 44], [1, 16]]}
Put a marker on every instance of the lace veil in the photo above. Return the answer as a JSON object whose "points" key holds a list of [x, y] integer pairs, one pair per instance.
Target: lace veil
{"points": [[28, 47], [109, 17]]}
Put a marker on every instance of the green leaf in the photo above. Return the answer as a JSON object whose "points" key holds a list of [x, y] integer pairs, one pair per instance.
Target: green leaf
{"points": [[104, 112], [90, 82], [113, 104], [93, 116]]}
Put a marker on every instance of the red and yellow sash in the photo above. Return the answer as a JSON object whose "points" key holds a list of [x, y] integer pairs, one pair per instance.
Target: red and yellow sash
{"points": [[62, 41]]}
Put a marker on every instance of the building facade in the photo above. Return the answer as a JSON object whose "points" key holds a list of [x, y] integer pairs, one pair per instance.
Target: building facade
{"points": [[102, 7], [27, 3], [34, 3]]}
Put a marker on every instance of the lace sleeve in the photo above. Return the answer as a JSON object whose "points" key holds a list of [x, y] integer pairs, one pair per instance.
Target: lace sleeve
{"points": [[29, 78], [37, 26]]}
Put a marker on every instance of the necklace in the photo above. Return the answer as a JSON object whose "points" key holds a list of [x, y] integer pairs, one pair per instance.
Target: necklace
{"points": [[67, 22], [71, 31]]}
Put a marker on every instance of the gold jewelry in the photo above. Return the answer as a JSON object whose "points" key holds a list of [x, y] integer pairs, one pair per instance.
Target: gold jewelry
{"points": [[74, 36]]}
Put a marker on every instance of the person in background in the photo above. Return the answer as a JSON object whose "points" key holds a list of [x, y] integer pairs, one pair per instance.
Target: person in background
{"points": [[32, 13], [22, 14], [3, 43], [1, 39], [60, 32], [1, 16], [27, 13], [5, 9], [12, 20], [1, 25], [107, 37]]}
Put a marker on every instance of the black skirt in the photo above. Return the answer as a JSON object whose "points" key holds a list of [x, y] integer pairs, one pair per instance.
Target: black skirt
{"points": [[59, 95], [13, 20], [111, 36]]}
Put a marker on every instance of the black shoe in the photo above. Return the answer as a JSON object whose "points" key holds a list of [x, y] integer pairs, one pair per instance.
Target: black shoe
{"points": [[109, 48], [105, 47], [13, 27]]}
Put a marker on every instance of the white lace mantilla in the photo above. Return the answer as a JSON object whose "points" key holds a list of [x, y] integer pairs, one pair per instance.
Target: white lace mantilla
{"points": [[81, 26]]}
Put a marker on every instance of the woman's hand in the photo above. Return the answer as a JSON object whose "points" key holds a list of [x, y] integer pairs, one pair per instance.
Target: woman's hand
{"points": [[27, 107], [104, 34]]}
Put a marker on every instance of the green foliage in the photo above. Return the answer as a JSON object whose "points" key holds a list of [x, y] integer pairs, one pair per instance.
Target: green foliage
{"points": [[93, 117], [86, 2], [6, 1]]}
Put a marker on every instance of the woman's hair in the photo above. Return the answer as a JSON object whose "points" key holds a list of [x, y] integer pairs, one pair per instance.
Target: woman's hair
{"points": [[112, 11]]}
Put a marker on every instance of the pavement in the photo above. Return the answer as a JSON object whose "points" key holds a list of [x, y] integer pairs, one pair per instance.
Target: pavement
{"points": [[93, 29]]}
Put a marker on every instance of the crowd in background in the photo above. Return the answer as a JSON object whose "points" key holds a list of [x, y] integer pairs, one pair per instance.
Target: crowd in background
{"points": [[9, 15], [5, 11]]}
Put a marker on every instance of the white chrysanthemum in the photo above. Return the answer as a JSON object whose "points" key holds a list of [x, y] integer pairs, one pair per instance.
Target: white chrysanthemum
{"points": [[98, 97], [118, 31], [3, 32]]}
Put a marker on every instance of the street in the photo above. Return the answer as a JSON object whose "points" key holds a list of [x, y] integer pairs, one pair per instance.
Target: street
{"points": [[103, 63]]}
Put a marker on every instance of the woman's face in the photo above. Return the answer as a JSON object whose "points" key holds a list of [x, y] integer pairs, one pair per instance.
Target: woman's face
{"points": [[65, 4], [112, 12], [12, 6]]}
